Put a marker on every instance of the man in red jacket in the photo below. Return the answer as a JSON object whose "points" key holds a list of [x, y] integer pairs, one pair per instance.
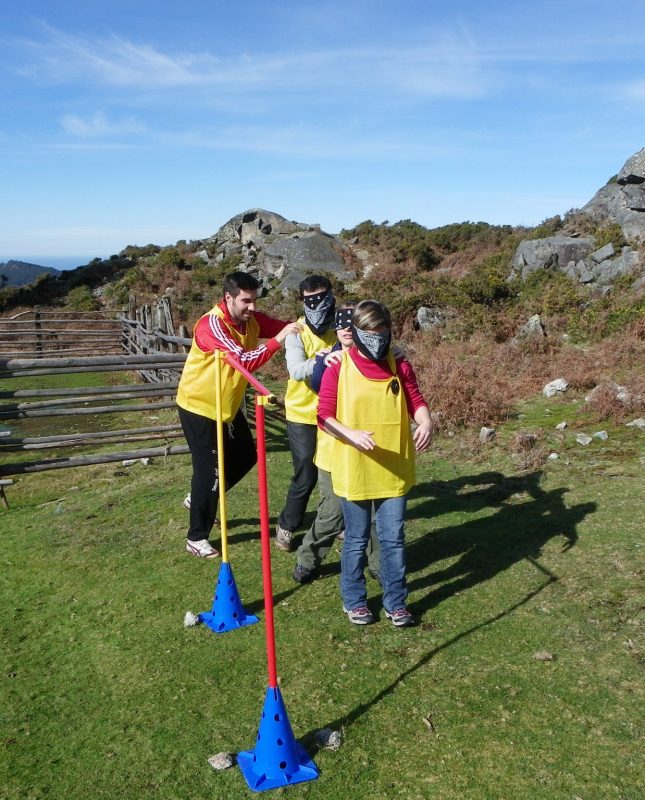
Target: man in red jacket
{"points": [[233, 326]]}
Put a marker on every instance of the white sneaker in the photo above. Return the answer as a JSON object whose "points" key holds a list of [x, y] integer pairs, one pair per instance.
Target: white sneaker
{"points": [[202, 549], [186, 503], [283, 539]]}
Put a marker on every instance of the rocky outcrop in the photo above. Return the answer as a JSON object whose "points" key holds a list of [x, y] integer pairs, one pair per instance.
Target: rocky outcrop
{"points": [[623, 200], [429, 318], [278, 251], [552, 252]]}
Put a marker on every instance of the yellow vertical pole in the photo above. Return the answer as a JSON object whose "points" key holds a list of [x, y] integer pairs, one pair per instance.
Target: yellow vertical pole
{"points": [[220, 454]]}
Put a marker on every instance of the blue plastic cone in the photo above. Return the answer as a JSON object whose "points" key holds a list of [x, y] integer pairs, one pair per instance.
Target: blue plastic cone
{"points": [[278, 759], [228, 612]]}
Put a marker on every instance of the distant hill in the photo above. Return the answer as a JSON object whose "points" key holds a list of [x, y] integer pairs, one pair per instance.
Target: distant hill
{"points": [[21, 273]]}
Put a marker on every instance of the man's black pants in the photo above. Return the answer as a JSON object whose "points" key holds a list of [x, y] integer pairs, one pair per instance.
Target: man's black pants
{"points": [[302, 443], [239, 458]]}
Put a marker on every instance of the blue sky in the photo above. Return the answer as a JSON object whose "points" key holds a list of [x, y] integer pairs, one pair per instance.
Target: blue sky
{"points": [[130, 121]]}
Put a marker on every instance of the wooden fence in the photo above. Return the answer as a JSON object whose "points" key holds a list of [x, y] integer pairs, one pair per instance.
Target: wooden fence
{"points": [[42, 343], [40, 333]]}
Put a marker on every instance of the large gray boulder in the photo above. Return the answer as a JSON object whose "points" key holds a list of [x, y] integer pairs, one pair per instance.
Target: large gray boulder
{"points": [[279, 251], [623, 200], [553, 252], [633, 170], [606, 272]]}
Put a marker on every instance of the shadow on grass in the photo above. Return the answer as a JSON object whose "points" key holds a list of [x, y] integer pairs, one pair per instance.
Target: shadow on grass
{"points": [[483, 548], [486, 546]]}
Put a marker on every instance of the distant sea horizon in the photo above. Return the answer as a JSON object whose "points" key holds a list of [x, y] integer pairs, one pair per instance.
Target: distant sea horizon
{"points": [[57, 262]]}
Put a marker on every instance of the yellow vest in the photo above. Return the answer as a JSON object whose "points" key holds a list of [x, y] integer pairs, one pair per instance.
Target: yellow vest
{"points": [[370, 405], [324, 451], [196, 390], [300, 401]]}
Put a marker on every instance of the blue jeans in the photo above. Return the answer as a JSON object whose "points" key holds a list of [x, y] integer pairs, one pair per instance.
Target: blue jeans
{"points": [[390, 517]]}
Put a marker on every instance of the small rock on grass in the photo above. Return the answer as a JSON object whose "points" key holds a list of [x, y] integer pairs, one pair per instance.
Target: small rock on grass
{"points": [[190, 619], [543, 655], [561, 426], [222, 760], [583, 439], [637, 423], [328, 738], [487, 434]]}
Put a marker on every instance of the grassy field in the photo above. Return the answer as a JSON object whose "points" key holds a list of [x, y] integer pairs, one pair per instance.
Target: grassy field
{"points": [[105, 694]]}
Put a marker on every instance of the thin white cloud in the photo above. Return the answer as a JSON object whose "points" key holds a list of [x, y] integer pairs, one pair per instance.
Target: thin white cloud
{"points": [[98, 126], [441, 67], [308, 142]]}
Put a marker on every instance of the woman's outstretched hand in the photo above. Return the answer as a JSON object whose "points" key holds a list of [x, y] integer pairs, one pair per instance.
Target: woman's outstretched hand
{"points": [[361, 440]]}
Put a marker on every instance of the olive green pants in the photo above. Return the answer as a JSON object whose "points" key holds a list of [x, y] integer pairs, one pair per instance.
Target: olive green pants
{"points": [[325, 528]]}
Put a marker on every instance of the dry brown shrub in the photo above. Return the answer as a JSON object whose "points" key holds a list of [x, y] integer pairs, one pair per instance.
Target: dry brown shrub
{"points": [[528, 447], [608, 403], [478, 382], [461, 382], [525, 441], [605, 404]]}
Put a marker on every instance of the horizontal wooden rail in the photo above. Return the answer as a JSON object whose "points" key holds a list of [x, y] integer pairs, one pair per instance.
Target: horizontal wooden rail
{"points": [[34, 373], [37, 333], [89, 441], [63, 437], [84, 411], [20, 468], [90, 398], [62, 351], [27, 363], [81, 391]]}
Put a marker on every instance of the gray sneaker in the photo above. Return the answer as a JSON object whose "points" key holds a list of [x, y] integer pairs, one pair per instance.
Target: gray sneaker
{"points": [[401, 618], [283, 539], [359, 616]]}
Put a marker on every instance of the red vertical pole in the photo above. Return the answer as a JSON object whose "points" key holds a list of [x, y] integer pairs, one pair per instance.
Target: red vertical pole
{"points": [[265, 538]]}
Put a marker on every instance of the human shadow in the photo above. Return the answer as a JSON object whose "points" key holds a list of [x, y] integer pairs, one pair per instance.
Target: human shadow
{"points": [[485, 546]]}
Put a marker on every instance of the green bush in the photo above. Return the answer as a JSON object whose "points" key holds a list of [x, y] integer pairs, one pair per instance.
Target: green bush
{"points": [[549, 294], [611, 233], [548, 227], [81, 299], [486, 284]]}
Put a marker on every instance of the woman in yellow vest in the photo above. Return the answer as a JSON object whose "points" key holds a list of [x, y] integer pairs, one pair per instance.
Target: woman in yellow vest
{"points": [[329, 523], [365, 402]]}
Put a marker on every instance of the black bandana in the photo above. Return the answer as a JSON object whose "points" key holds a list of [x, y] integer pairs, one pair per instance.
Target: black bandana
{"points": [[371, 344], [343, 318], [319, 311]]}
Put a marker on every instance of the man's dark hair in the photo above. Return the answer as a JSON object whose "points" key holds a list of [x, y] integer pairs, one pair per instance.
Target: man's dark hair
{"points": [[313, 282], [237, 282]]}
